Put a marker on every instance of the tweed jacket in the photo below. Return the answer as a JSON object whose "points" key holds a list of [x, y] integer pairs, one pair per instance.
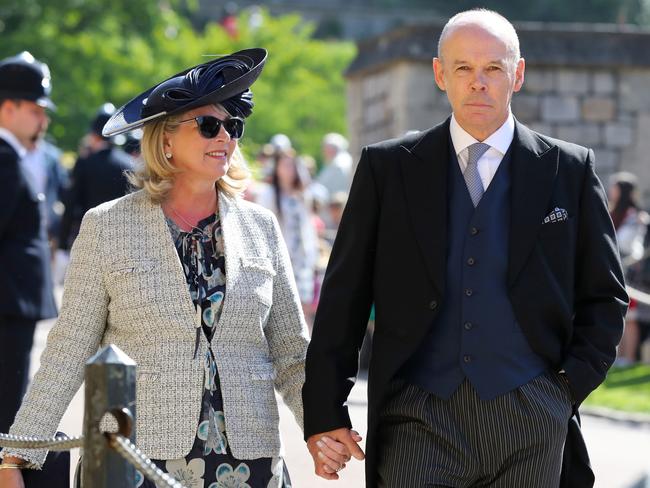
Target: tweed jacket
{"points": [[125, 285]]}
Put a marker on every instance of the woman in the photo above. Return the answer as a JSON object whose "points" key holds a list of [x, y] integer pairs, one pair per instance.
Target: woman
{"points": [[208, 360], [287, 197], [630, 222]]}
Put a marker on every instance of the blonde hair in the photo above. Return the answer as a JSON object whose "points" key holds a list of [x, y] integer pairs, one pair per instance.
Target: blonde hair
{"points": [[155, 173]]}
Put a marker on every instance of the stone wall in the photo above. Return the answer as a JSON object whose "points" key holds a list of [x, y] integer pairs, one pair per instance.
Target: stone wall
{"points": [[585, 84]]}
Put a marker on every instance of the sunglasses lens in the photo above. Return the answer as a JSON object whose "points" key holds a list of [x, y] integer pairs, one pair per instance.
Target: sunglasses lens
{"points": [[209, 126], [234, 127]]}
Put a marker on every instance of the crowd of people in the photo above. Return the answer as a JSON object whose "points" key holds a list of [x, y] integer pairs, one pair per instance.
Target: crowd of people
{"points": [[308, 205], [632, 224]]}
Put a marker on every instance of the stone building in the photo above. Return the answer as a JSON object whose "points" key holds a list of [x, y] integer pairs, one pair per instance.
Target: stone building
{"points": [[586, 83]]}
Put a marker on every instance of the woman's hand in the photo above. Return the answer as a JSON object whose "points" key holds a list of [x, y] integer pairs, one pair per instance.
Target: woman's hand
{"points": [[11, 478], [332, 450]]}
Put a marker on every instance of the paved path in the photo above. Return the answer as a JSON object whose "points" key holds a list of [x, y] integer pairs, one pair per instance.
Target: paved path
{"points": [[620, 451]]}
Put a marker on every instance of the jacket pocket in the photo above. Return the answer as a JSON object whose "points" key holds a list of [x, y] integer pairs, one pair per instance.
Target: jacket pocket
{"points": [[131, 283], [262, 371], [127, 266], [260, 263]]}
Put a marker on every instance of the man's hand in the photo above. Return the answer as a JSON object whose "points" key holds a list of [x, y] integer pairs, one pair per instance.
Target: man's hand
{"points": [[331, 450]]}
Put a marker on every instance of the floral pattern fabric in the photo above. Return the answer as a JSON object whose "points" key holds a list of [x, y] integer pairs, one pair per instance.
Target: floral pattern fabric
{"points": [[210, 464]]}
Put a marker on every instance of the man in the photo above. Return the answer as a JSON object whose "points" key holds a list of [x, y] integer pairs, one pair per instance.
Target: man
{"points": [[96, 178], [25, 284], [336, 172], [43, 166], [489, 254]]}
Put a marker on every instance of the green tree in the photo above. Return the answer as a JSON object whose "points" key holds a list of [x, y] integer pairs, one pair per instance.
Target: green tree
{"points": [[301, 92], [99, 54]]}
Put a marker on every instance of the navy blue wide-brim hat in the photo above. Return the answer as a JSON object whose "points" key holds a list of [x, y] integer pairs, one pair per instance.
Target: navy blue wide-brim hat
{"points": [[225, 80]]}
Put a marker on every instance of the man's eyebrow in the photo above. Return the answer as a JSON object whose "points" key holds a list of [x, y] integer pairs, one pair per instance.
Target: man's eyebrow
{"points": [[494, 61]]}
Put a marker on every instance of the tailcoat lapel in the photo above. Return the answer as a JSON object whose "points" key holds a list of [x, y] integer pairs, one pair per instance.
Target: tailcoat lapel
{"points": [[534, 169], [424, 163]]}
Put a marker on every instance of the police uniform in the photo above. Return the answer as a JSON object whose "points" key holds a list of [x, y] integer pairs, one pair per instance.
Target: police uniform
{"points": [[96, 178], [25, 285]]}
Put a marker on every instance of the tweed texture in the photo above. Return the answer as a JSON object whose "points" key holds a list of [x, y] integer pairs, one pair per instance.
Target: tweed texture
{"points": [[125, 285]]}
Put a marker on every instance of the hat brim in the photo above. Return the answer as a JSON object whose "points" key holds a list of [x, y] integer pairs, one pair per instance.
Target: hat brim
{"points": [[46, 103], [41, 101], [129, 116]]}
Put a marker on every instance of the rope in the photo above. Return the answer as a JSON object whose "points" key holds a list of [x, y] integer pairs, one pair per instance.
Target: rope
{"points": [[61, 443], [133, 455], [119, 443]]}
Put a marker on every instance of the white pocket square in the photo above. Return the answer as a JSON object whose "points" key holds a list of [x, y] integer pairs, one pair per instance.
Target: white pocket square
{"points": [[557, 215]]}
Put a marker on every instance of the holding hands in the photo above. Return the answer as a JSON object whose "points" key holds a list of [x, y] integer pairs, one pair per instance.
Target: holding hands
{"points": [[332, 450]]}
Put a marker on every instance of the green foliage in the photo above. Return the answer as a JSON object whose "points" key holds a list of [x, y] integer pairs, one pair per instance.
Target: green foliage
{"points": [[99, 53], [625, 389], [301, 92]]}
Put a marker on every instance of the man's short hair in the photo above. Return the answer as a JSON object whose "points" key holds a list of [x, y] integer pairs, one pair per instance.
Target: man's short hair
{"points": [[336, 140], [492, 21]]}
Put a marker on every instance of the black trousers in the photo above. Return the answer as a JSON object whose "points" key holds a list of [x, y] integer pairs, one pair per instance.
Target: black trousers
{"points": [[16, 339]]}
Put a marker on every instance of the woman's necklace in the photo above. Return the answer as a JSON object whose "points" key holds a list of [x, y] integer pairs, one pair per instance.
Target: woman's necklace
{"points": [[206, 234]]}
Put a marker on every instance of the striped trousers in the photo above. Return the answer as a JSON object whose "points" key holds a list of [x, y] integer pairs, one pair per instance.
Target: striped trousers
{"points": [[512, 441]]}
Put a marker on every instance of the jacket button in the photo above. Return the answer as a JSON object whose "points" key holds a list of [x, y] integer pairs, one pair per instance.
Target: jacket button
{"points": [[433, 305], [469, 292], [473, 231], [467, 358], [468, 325], [471, 261]]}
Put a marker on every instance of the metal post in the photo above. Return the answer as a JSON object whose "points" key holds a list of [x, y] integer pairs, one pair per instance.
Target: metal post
{"points": [[110, 386]]}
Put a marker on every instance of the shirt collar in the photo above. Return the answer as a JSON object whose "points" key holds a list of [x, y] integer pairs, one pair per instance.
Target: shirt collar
{"points": [[499, 139], [12, 140]]}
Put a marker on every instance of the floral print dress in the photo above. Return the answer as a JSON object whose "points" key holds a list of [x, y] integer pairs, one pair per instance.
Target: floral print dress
{"points": [[210, 463]]}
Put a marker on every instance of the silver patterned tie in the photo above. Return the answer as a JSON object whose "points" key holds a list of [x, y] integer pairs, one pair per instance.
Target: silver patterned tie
{"points": [[471, 175]]}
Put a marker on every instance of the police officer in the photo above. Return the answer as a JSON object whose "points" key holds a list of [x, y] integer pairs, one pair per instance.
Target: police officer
{"points": [[25, 284], [96, 178]]}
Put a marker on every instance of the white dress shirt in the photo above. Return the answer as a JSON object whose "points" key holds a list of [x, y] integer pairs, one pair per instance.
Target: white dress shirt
{"points": [[34, 164], [13, 141], [499, 142]]}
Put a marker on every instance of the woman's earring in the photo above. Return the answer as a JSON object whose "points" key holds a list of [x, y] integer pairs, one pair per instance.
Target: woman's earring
{"points": [[168, 155]]}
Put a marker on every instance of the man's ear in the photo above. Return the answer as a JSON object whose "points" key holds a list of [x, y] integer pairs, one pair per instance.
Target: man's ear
{"points": [[519, 74], [438, 72]]}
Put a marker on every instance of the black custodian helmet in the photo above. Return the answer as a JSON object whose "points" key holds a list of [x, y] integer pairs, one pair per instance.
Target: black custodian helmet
{"points": [[103, 114], [25, 78]]}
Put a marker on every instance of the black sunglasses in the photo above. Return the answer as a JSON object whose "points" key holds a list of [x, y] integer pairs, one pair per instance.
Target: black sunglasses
{"points": [[209, 126]]}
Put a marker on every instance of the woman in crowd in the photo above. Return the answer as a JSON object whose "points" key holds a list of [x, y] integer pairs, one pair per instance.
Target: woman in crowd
{"points": [[194, 284], [630, 222], [288, 198]]}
